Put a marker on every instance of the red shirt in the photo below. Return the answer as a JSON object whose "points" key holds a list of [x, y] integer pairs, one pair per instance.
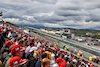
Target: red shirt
{"points": [[63, 64]]}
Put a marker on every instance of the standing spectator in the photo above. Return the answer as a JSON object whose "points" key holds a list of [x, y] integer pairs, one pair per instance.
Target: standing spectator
{"points": [[32, 60], [46, 62], [2, 40], [6, 51], [61, 62], [36, 55], [5, 34], [55, 59], [17, 62], [21, 43], [52, 54], [16, 50], [38, 63], [28, 48], [38, 44]]}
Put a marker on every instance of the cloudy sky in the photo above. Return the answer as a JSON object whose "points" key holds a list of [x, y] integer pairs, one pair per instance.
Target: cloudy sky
{"points": [[81, 14]]}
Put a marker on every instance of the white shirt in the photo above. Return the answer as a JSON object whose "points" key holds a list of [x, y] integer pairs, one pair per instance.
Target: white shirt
{"points": [[53, 56], [27, 50], [39, 44], [55, 65]]}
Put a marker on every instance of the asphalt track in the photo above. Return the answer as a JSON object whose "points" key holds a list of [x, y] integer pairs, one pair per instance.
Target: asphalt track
{"points": [[89, 50]]}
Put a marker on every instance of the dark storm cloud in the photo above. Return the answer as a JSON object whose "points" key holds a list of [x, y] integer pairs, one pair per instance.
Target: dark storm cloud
{"points": [[79, 10], [50, 19]]}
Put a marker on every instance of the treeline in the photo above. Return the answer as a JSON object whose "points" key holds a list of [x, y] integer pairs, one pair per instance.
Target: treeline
{"points": [[83, 34]]}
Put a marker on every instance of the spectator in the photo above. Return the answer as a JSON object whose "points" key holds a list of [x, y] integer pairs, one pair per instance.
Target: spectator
{"points": [[58, 58], [61, 62], [52, 54], [55, 59], [17, 62], [28, 48], [2, 40], [16, 50], [71, 64], [46, 62], [62, 56], [38, 63], [21, 43], [36, 55], [5, 50], [32, 60]]}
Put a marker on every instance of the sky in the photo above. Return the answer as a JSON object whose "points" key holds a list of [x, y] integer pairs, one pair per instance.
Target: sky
{"points": [[80, 14]]}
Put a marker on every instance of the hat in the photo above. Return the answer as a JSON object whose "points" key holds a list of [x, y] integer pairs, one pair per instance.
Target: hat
{"points": [[42, 50], [33, 49], [59, 60], [16, 48], [31, 43], [11, 47], [0, 63], [65, 56], [56, 49], [1, 29], [75, 60], [17, 61], [9, 43], [80, 59]]}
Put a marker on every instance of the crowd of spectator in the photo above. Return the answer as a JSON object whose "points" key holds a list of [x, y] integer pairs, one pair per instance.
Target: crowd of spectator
{"points": [[19, 49]]}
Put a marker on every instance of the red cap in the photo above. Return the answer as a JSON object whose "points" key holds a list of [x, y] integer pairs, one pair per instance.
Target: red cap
{"points": [[91, 66], [16, 61], [9, 43], [56, 49], [42, 50], [59, 60], [1, 29], [80, 59], [39, 40], [12, 30], [16, 48]]}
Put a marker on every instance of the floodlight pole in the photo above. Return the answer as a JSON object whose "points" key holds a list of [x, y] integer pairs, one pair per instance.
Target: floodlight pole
{"points": [[1, 16]]}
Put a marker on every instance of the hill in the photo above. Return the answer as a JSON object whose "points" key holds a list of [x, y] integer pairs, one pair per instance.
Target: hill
{"points": [[9, 23]]}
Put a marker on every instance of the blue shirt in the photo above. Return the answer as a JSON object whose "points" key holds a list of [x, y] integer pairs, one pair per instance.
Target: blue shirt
{"points": [[38, 64], [13, 34]]}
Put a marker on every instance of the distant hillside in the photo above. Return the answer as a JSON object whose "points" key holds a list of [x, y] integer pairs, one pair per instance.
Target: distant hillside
{"points": [[9, 23]]}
